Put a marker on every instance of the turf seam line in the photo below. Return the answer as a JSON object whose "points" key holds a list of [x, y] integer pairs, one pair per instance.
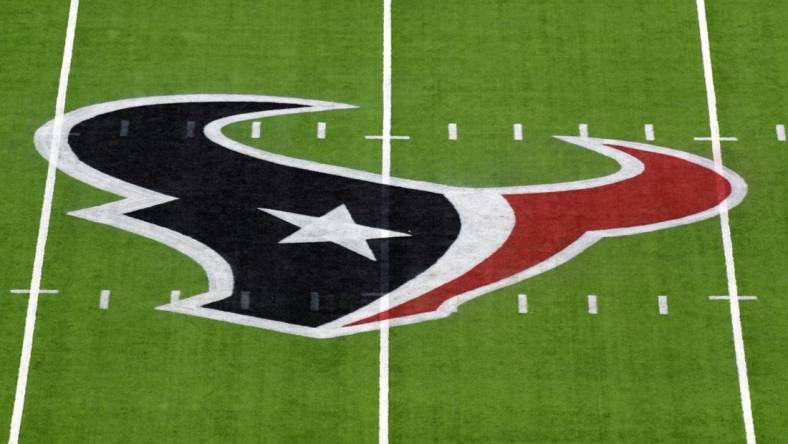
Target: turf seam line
{"points": [[43, 227], [727, 243]]}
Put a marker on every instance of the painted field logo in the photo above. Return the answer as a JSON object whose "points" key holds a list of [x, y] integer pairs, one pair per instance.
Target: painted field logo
{"points": [[322, 251]]}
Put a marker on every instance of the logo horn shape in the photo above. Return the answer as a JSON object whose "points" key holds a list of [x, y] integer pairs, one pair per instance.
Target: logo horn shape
{"points": [[318, 250]]}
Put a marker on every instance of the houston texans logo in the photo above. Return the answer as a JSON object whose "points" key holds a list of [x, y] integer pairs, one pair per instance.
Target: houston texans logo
{"points": [[319, 250]]}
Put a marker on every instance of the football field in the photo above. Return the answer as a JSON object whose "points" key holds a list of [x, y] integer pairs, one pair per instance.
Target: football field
{"points": [[357, 221]]}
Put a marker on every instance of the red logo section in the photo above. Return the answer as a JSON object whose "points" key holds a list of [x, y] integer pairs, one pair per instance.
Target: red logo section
{"points": [[670, 188]]}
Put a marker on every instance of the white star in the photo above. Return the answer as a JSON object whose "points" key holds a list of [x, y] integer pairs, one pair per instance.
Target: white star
{"points": [[337, 226]]}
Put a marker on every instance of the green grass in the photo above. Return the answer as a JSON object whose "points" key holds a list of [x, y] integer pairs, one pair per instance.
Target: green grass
{"points": [[486, 374]]}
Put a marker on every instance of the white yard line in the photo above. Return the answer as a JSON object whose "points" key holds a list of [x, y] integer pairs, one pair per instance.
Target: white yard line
{"points": [[43, 228], [780, 130], [727, 243], [385, 147], [321, 130], [256, 130]]}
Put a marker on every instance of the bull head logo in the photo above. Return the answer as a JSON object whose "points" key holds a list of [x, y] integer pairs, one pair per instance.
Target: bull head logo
{"points": [[319, 250]]}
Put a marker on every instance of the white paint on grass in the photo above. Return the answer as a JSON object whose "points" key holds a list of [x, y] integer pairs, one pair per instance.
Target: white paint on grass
{"points": [[336, 226], [727, 243], [389, 137], [649, 130], [593, 308], [452, 131], [662, 302], [711, 139], [476, 206], [517, 130], [727, 298], [55, 142], [321, 130], [522, 303], [255, 130], [385, 178], [583, 130], [27, 291], [104, 299], [780, 130], [175, 297]]}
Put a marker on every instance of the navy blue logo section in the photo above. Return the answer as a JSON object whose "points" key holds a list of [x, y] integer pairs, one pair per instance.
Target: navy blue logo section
{"points": [[287, 233]]}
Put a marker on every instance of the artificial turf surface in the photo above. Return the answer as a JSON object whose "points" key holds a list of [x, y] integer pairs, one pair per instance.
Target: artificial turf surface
{"points": [[486, 374]]}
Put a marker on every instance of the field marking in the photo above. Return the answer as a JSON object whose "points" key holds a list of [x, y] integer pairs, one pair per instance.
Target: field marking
{"points": [[522, 303], [648, 129], [727, 243], [583, 130], [321, 130], [452, 131], [43, 227], [175, 296], [711, 139], [389, 137], [104, 299], [593, 307], [255, 130], [190, 125], [662, 302], [726, 298], [385, 178], [517, 130], [780, 130], [27, 291]]}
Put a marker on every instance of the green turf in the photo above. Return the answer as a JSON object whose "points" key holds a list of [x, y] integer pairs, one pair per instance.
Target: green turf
{"points": [[486, 374]]}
